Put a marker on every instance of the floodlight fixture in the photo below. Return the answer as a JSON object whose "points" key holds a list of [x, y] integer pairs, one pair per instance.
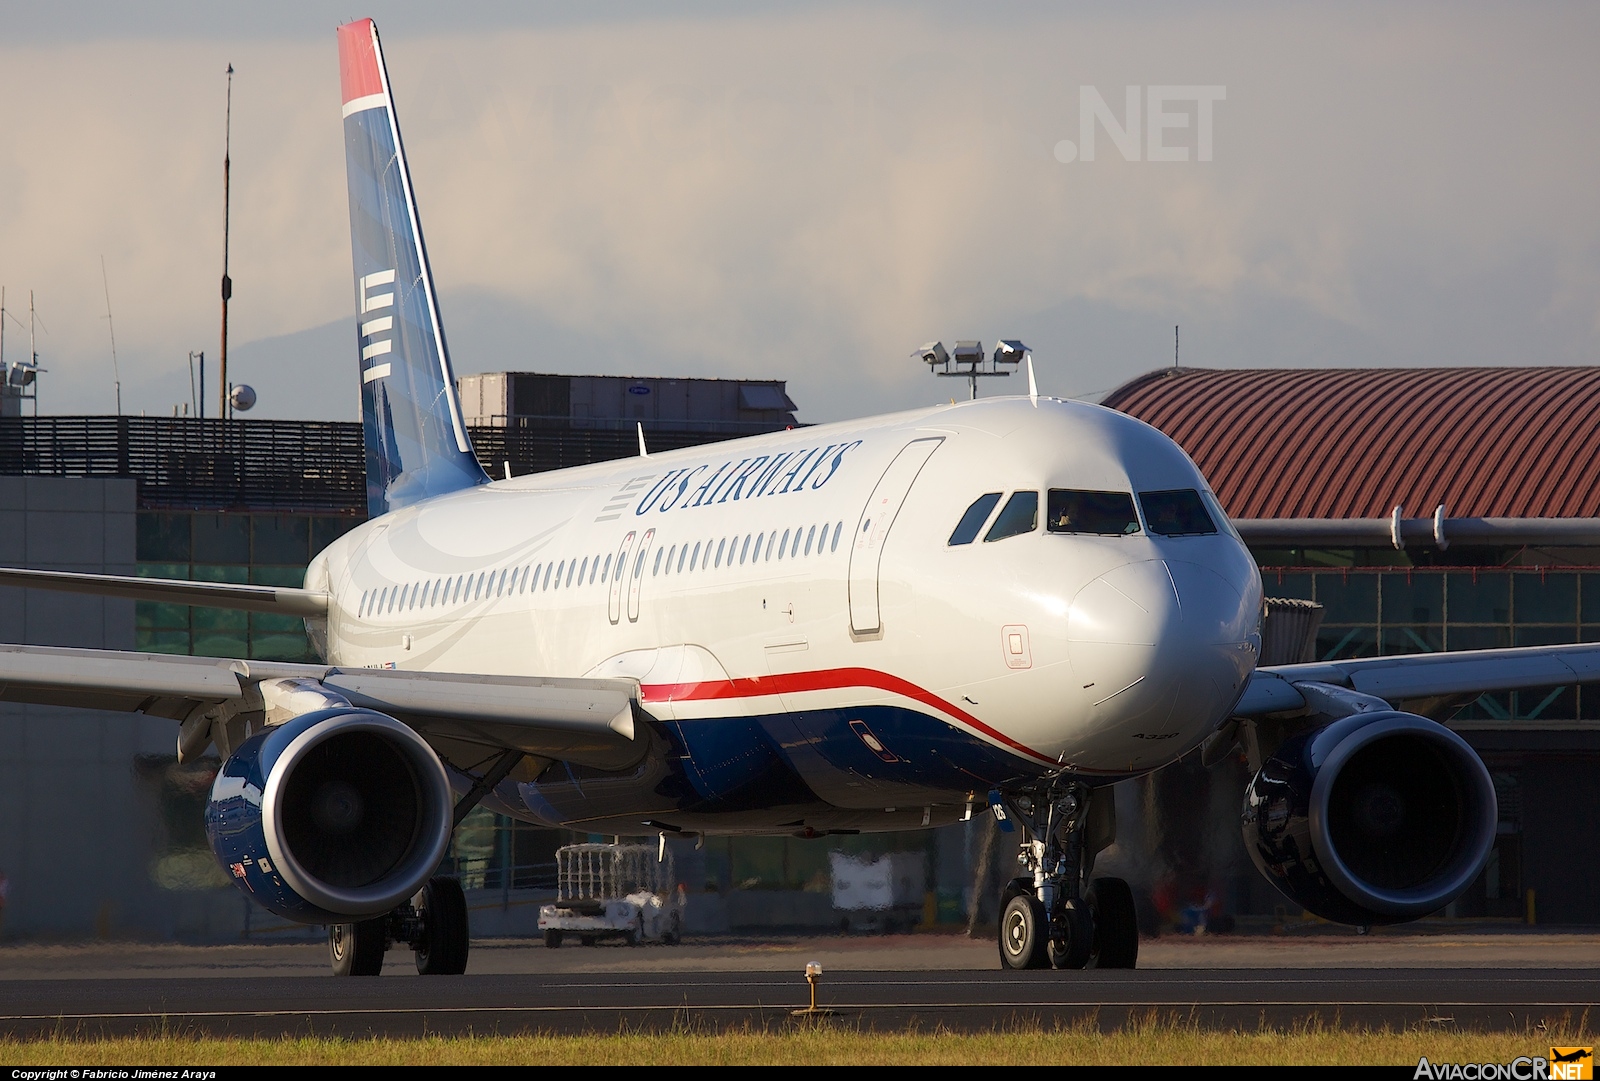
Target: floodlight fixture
{"points": [[21, 373], [1009, 351], [969, 360], [969, 352]]}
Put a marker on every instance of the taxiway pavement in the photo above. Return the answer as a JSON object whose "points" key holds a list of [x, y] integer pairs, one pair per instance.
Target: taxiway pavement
{"points": [[1484, 980]]}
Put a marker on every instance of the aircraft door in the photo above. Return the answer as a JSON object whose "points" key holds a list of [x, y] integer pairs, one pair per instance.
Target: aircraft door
{"points": [[636, 577], [618, 570], [866, 553]]}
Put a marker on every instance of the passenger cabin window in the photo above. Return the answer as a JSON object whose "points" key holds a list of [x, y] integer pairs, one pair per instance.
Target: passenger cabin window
{"points": [[967, 529], [1019, 515], [1176, 514], [1109, 514]]}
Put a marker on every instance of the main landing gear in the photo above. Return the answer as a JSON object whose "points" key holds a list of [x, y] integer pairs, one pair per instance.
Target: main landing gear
{"points": [[1048, 919], [433, 924]]}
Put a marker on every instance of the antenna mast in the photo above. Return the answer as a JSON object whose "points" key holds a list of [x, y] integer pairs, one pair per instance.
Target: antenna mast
{"points": [[227, 282], [33, 352], [116, 373]]}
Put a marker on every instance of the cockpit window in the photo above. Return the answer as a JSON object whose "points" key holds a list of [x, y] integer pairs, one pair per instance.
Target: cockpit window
{"points": [[1020, 515], [1219, 515], [1176, 514], [1105, 513], [972, 521]]}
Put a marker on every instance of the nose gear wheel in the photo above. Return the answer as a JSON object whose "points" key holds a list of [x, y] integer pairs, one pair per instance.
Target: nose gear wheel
{"points": [[1116, 924], [1072, 935], [1024, 930], [1048, 918]]}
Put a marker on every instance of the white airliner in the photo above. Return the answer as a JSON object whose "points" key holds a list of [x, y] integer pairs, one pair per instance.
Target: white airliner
{"points": [[997, 607]]}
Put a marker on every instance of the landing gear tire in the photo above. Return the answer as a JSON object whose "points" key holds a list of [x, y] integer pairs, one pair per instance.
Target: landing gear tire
{"points": [[552, 940], [1116, 924], [357, 949], [441, 948], [1072, 946], [1024, 932]]}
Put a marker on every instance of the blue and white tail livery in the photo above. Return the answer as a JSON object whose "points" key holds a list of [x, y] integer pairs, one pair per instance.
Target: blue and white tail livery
{"points": [[416, 442]]}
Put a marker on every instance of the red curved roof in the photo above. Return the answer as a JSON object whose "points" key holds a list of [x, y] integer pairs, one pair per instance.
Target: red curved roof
{"points": [[1356, 442]]}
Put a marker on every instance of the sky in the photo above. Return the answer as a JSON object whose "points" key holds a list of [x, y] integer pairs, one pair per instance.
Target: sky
{"points": [[809, 191]]}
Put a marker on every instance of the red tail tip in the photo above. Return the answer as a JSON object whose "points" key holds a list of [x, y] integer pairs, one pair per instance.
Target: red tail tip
{"points": [[358, 61]]}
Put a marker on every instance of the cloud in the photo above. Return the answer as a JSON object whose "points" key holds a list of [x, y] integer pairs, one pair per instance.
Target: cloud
{"points": [[807, 194]]}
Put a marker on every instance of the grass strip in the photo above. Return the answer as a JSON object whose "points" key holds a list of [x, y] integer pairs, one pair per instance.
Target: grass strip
{"points": [[1151, 1042]]}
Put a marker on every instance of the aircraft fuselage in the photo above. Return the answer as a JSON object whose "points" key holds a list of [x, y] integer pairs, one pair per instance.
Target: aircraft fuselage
{"points": [[812, 649]]}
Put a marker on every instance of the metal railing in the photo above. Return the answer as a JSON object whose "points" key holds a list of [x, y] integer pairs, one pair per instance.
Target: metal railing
{"points": [[535, 450], [190, 463], [706, 428], [481, 873]]}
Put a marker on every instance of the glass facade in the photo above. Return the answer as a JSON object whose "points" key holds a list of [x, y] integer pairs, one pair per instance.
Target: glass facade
{"points": [[208, 546], [1371, 611]]}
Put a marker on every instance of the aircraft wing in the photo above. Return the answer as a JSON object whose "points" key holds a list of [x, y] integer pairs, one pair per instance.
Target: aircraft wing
{"points": [[1424, 678], [466, 717], [281, 599]]}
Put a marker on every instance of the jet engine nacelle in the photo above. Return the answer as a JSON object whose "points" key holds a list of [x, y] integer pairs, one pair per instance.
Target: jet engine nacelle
{"points": [[331, 817], [1378, 818]]}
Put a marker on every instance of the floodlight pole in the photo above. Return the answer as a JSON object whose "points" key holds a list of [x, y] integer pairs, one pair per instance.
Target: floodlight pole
{"points": [[968, 359], [227, 282], [972, 376]]}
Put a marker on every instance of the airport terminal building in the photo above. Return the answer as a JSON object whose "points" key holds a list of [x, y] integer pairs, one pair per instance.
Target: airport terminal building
{"points": [[1419, 510]]}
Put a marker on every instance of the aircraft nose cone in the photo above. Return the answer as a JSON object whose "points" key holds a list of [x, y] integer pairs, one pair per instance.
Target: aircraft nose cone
{"points": [[1156, 647], [1157, 601], [1130, 605]]}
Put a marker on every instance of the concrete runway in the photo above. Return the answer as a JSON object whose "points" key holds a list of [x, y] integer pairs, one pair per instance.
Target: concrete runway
{"points": [[1399, 979]]}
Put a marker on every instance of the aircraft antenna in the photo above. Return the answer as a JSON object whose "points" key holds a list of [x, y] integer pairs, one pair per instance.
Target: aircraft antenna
{"points": [[227, 282], [116, 372], [1174, 345], [642, 452]]}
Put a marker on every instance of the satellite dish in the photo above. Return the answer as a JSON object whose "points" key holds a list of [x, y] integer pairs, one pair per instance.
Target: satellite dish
{"points": [[242, 397]]}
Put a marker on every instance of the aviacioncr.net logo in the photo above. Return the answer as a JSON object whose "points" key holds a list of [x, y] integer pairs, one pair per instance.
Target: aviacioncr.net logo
{"points": [[1564, 1064]]}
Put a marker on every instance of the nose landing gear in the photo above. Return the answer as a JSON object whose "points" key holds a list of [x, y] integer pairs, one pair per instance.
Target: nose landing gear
{"points": [[1048, 918]]}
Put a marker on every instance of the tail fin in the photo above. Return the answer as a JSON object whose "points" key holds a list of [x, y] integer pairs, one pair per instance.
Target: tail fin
{"points": [[416, 441]]}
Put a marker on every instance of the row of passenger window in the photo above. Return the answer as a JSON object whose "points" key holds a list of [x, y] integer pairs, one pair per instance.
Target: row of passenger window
{"points": [[794, 543], [440, 592], [1180, 513], [682, 560]]}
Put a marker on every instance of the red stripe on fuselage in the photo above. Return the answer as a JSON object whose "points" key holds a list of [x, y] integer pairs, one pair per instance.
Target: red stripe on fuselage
{"points": [[358, 61], [830, 679]]}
